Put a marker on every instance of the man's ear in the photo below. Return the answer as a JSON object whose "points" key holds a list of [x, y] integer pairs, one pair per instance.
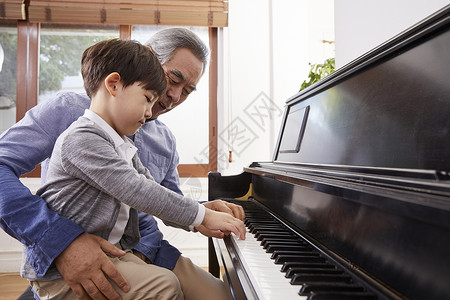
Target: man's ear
{"points": [[112, 82]]}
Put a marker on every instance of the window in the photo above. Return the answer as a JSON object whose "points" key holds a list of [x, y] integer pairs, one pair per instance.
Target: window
{"points": [[8, 59], [60, 53]]}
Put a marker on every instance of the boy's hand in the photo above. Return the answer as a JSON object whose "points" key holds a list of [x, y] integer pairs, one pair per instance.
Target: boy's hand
{"points": [[224, 222], [219, 205], [85, 268]]}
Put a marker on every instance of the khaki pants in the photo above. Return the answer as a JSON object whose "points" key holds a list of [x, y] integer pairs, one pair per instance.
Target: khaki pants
{"points": [[147, 281]]}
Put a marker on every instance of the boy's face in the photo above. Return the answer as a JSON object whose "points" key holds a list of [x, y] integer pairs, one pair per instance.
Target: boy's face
{"points": [[132, 106], [183, 71]]}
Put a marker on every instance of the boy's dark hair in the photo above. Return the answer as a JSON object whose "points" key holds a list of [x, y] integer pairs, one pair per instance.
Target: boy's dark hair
{"points": [[132, 60]]}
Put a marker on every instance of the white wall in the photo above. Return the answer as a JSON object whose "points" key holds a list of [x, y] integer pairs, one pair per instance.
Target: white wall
{"points": [[266, 50], [362, 25], [10, 253]]}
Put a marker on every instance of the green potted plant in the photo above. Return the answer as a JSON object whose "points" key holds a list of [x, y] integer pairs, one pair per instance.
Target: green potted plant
{"points": [[318, 71]]}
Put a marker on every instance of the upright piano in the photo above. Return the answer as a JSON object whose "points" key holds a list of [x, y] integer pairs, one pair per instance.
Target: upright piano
{"points": [[355, 203]]}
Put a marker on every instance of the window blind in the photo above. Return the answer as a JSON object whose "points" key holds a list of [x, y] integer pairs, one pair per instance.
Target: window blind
{"points": [[12, 10], [210, 13]]}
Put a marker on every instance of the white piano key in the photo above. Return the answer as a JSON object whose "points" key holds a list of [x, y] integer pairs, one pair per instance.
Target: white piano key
{"points": [[267, 279]]}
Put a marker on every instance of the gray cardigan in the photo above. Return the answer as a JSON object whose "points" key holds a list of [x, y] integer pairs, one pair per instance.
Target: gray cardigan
{"points": [[87, 180]]}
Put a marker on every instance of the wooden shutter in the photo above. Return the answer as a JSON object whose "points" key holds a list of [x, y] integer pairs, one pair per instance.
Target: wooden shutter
{"points": [[210, 13], [12, 10]]}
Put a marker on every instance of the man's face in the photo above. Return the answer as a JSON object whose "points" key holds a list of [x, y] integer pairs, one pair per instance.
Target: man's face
{"points": [[183, 71]]}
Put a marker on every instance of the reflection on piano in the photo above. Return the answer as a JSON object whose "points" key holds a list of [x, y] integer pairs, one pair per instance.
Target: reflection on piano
{"points": [[356, 201]]}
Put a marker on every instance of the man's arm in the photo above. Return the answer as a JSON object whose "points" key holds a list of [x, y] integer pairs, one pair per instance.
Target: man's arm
{"points": [[27, 218], [172, 179], [24, 216]]}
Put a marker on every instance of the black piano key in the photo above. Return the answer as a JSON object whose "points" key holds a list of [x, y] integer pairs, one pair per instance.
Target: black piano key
{"points": [[281, 241], [248, 221], [265, 223], [307, 288], [341, 296], [273, 233], [274, 247], [304, 278], [277, 253], [281, 259], [260, 235], [320, 264], [258, 221], [256, 230], [269, 230], [291, 272], [255, 227]]}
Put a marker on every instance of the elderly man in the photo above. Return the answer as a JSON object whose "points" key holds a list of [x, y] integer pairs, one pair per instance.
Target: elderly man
{"points": [[80, 257]]}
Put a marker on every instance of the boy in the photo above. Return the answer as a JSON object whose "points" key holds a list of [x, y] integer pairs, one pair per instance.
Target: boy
{"points": [[96, 179]]}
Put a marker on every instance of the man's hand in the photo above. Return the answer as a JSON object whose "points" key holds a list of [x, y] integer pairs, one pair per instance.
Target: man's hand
{"points": [[211, 233], [84, 267], [219, 205]]}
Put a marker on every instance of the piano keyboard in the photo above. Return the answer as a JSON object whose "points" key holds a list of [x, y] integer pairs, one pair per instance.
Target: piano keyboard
{"points": [[268, 281], [281, 265]]}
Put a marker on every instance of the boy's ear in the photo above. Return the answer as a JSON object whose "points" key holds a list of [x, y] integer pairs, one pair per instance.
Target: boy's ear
{"points": [[112, 82]]}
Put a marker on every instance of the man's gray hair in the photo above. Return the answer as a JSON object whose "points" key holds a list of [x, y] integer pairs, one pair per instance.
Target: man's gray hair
{"points": [[166, 41]]}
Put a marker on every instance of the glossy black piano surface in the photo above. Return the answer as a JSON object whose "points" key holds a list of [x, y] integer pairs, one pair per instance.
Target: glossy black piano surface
{"points": [[361, 174]]}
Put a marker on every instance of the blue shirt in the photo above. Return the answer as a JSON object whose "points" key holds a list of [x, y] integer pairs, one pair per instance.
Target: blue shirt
{"points": [[27, 218]]}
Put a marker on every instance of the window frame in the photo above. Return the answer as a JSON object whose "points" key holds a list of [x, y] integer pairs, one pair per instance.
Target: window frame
{"points": [[27, 92]]}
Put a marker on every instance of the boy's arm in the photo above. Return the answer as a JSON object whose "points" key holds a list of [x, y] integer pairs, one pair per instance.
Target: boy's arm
{"points": [[96, 162], [172, 182], [86, 154]]}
